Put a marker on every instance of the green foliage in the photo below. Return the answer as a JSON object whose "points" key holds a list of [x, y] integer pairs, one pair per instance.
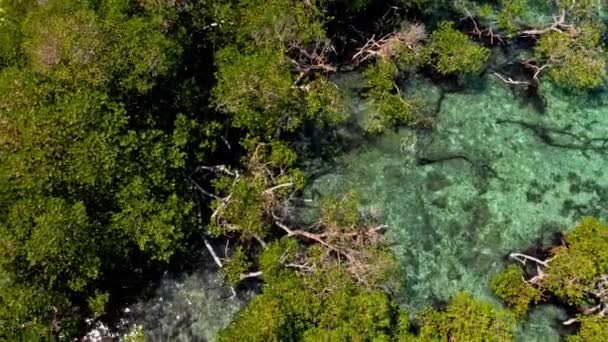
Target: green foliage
{"points": [[44, 236], [103, 111], [277, 153], [593, 328], [466, 319], [576, 59], [310, 294], [403, 331], [452, 52], [486, 10], [350, 315], [23, 307], [70, 44], [45, 258], [265, 102], [407, 59], [581, 8], [263, 93], [249, 198], [262, 24], [255, 82], [144, 54], [511, 287], [553, 43], [88, 167], [97, 303], [387, 108], [381, 76], [245, 208], [329, 307], [325, 101], [262, 320], [135, 335], [510, 13], [576, 267], [276, 254], [236, 266], [290, 309], [10, 40], [340, 213], [66, 46], [574, 270], [152, 223]]}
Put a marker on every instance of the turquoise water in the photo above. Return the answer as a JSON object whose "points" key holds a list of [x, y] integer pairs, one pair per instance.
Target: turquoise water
{"points": [[192, 307], [543, 324], [495, 175]]}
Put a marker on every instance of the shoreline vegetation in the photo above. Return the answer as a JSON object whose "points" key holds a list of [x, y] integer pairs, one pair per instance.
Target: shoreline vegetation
{"points": [[136, 134]]}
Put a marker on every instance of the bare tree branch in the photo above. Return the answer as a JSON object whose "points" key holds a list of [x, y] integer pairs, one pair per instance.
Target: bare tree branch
{"points": [[409, 37], [284, 185], [489, 31], [251, 275], [259, 239], [203, 191], [216, 259], [559, 23], [308, 60], [571, 321], [523, 258], [216, 168], [509, 80], [301, 267], [537, 69]]}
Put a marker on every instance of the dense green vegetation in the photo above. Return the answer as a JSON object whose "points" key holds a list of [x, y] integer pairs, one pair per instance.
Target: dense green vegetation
{"points": [[574, 273], [134, 131], [518, 295], [88, 175], [576, 57], [451, 51]]}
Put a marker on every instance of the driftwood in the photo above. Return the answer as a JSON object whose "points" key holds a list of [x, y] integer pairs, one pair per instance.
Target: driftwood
{"points": [[522, 258], [600, 290], [409, 37], [488, 32], [348, 246], [559, 24], [537, 69], [312, 59], [511, 81], [208, 246]]}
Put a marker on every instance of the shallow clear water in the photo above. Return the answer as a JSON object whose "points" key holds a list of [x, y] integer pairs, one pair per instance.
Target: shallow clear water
{"points": [[191, 308], [494, 176], [542, 325]]}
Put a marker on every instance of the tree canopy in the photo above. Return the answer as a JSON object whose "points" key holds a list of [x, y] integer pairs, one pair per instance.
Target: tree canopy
{"points": [[88, 176], [132, 131], [574, 272]]}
